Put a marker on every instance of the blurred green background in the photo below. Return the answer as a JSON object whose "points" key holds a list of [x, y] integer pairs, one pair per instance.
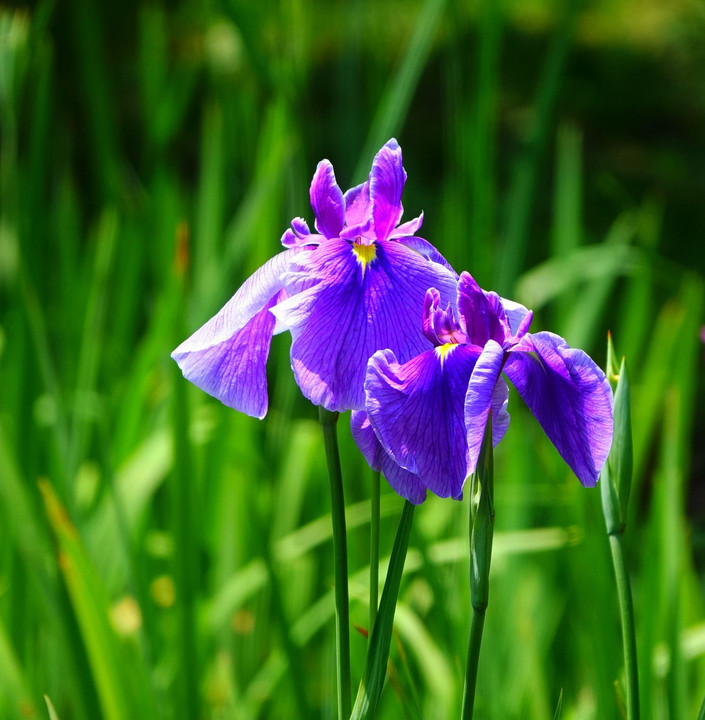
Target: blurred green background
{"points": [[164, 557]]}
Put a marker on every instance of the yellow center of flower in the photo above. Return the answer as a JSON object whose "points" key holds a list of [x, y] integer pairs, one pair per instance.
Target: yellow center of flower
{"points": [[444, 350], [365, 254]]}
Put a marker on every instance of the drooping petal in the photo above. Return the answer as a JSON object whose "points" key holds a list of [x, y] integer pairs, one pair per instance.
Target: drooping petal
{"points": [[416, 410], [569, 396], [348, 302], [403, 482], [500, 414], [358, 205], [485, 393], [482, 313], [387, 179], [327, 201], [424, 248], [226, 357]]}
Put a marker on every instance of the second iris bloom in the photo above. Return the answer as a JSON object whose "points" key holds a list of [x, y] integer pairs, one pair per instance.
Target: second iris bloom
{"points": [[425, 418]]}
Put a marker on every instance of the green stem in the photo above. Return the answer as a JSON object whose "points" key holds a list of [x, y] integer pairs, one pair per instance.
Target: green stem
{"points": [[481, 534], [476, 626], [328, 422], [626, 611], [378, 651], [374, 550]]}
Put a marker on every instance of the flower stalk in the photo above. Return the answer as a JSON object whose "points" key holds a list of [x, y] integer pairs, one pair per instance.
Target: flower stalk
{"points": [[615, 488], [328, 422], [378, 652], [481, 535], [374, 549]]}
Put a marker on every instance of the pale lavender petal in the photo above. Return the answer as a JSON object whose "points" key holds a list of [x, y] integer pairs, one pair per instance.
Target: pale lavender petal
{"points": [[569, 396], [416, 410], [343, 310], [327, 201], [387, 180], [500, 414], [424, 247], [358, 205], [226, 357], [252, 296], [481, 397], [403, 482], [410, 227], [516, 313], [482, 313], [234, 371]]}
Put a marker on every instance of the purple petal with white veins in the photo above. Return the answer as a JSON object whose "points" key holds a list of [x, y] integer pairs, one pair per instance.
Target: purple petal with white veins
{"points": [[570, 397], [416, 410], [226, 357], [343, 310], [482, 313], [234, 371], [404, 483], [358, 205], [387, 180], [408, 228], [327, 201], [485, 393], [424, 248]]}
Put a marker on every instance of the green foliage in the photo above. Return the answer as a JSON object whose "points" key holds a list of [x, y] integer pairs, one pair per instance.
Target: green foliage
{"points": [[176, 562]]}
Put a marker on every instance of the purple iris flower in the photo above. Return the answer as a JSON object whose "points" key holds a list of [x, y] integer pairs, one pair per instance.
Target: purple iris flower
{"points": [[355, 286], [428, 415]]}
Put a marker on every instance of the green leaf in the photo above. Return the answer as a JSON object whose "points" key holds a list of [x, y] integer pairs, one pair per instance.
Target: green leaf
{"points": [[376, 665]]}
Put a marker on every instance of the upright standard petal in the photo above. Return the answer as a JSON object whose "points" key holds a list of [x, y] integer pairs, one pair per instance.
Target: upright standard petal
{"points": [[387, 179], [482, 312], [416, 410], [486, 391], [569, 396], [327, 201], [348, 302], [358, 205], [403, 482], [516, 313], [226, 357]]}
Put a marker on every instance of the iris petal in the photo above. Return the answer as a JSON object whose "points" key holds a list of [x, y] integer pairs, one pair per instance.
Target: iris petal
{"points": [[416, 410], [226, 357], [516, 313], [569, 396], [482, 312], [408, 228], [403, 482], [424, 248], [358, 205], [327, 201], [387, 180], [486, 391], [342, 311]]}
